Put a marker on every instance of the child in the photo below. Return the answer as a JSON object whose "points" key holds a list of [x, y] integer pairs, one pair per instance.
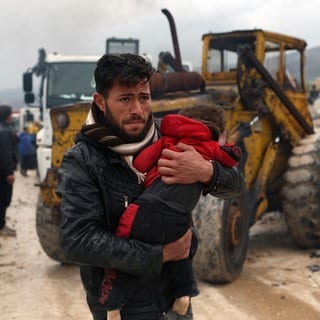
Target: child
{"points": [[163, 212]]}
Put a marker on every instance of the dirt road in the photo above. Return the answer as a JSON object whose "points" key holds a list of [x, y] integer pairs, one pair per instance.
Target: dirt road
{"points": [[276, 282]]}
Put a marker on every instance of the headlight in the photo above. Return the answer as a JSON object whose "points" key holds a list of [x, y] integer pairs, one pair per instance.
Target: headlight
{"points": [[62, 120]]}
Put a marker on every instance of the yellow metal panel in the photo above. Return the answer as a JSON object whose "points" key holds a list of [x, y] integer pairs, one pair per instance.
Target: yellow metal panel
{"points": [[63, 138]]}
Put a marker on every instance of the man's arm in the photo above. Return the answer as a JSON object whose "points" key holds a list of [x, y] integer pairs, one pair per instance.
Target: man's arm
{"points": [[189, 167], [179, 249], [226, 182], [8, 159], [87, 239]]}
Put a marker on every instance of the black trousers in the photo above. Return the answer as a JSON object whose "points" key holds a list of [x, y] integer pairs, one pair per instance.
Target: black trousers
{"points": [[26, 162], [5, 199], [139, 312], [139, 308]]}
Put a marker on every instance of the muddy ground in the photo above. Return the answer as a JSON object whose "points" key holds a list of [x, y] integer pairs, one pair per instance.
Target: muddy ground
{"points": [[276, 282]]}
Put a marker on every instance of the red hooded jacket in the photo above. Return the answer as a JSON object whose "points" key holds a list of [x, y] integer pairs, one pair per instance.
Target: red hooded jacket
{"points": [[176, 128]]}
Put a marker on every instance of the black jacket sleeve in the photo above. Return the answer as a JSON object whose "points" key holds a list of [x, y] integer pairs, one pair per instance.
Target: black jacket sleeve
{"points": [[8, 149], [226, 182], [86, 233]]}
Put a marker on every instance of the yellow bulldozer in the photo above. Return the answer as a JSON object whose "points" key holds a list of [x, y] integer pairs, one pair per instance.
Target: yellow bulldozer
{"points": [[266, 106]]}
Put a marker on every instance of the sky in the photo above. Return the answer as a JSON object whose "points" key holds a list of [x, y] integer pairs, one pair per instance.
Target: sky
{"points": [[82, 26]]}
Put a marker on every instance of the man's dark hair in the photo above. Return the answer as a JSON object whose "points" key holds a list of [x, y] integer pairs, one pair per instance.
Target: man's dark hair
{"points": [[211, 115], [128, 69], [5, 112]]}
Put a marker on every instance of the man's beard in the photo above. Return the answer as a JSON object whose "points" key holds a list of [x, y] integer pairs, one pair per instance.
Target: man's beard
{"points": [[128, 138]]}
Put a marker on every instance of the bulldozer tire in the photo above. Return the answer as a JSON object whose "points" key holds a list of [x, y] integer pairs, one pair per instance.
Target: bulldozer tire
{"points": [[48, 232], [301, 193], [223, 234]]}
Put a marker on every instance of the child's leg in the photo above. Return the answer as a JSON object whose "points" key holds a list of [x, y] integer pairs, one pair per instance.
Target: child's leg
{"points": [[183, 284], [114, 315], [181, 305], [171, 315]]}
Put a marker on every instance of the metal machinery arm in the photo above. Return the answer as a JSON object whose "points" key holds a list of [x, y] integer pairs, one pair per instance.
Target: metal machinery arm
{"points": [[248, 60]]}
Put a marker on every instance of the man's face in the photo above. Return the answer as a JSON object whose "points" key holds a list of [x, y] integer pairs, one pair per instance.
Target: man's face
{"points": [[127, 109]]}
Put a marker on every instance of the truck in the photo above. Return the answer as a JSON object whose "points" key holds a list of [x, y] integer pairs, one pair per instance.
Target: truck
{"points": [[266, 106], [63, 79]]}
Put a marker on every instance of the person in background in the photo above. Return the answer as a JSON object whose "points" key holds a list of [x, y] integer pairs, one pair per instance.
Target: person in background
{"points": [[8, 164], [97, 181], [26, 151], [313, 95]]}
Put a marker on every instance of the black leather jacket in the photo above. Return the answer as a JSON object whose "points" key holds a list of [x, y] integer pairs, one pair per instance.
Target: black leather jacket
{"points": [[95, 185], [8, 150]]}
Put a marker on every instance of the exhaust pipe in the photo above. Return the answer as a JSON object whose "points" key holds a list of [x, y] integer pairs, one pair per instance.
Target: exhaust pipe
{"points": [[174, 39]]}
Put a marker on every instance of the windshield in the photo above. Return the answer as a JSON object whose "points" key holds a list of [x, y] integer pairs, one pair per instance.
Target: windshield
{"points": [[69, 82], [222, 54]]}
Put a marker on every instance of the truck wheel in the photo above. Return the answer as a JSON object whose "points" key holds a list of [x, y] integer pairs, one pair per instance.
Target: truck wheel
{"points": [[223, 233], [48, 232], [301, 193]]}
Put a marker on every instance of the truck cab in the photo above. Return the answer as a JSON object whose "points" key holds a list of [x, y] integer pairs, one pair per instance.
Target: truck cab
{"points": [[63, 80]]}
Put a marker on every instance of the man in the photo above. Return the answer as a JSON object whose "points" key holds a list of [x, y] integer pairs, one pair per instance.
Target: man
{"points": [[98, 181], [8, 164]]}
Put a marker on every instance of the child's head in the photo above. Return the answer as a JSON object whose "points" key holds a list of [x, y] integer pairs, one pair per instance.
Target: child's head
{"points": [[211, 115]]}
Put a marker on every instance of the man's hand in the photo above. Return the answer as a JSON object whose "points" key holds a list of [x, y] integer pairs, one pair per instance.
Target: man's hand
{"points": [[178, 249], [10, 179], [184, 167]]}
